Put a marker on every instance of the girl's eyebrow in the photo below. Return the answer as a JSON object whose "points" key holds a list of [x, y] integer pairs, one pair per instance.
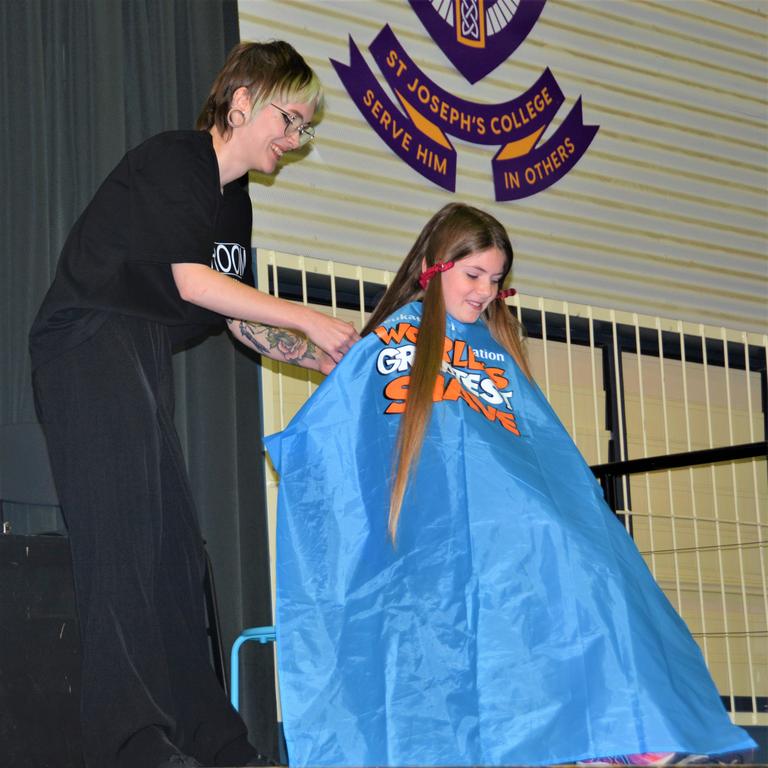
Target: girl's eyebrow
{"points": [[482, 269]]}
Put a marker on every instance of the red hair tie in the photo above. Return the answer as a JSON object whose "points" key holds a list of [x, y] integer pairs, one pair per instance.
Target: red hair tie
{"points": [[507, 292], [428, 274]]}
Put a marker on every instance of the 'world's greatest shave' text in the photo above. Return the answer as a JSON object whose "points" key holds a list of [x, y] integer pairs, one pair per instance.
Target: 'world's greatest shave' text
{"points": [[464, 376]]}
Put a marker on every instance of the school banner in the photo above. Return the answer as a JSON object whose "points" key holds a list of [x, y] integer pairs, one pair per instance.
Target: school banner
{"points": [[476, 36]]}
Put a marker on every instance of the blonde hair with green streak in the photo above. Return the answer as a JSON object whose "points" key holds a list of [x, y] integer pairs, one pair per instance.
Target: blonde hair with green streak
{"points": [[272, 71]]}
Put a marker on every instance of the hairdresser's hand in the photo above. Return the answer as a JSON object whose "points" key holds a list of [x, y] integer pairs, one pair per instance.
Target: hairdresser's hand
{"points": [[325, 365], [335, 337]]}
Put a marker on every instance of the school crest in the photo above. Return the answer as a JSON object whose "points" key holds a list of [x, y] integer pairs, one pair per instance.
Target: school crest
{"points": [[477, 35]]}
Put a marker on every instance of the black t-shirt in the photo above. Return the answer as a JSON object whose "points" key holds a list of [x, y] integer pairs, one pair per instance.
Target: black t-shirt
{"points": [[161, 205]]}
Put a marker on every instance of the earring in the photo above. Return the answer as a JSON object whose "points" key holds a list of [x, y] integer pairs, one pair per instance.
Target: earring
{"points": [[232, 123]]}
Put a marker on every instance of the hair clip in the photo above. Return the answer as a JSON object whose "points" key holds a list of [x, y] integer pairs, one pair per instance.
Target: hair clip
{"points": [[428, 274], [506, 293]]}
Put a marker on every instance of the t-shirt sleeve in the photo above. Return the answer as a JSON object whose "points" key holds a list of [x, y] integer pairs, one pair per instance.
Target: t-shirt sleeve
{"points": [[173, 201], [232, 246]]}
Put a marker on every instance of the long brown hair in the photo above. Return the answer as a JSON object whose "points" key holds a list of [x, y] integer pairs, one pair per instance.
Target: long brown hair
{"points": [[453, 233]]}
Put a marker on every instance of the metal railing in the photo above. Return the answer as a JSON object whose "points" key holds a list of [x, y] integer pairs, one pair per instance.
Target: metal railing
{"points": [[671, 415]]}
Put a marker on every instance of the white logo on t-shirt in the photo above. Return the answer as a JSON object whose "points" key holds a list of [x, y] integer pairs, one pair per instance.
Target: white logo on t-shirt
{"points": [[229, 259]]}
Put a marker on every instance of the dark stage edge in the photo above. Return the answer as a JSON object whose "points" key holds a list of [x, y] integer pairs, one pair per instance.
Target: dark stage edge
{"points": [[39, 660]]}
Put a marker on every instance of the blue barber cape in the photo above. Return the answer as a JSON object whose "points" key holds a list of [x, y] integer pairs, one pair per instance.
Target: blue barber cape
{"points": [[515, 621]]}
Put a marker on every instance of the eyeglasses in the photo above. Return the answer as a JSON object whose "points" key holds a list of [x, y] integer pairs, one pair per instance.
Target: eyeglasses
{"points": [[292, 126]]}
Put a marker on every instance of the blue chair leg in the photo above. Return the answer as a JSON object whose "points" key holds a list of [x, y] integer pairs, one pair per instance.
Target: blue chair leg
{"points": [[261, 635]]}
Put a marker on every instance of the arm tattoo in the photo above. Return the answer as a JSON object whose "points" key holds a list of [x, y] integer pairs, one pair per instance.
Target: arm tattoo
{"points": [[278, 343]]}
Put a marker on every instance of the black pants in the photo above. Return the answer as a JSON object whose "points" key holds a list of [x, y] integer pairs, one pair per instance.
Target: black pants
{"points": [[147, 682]]}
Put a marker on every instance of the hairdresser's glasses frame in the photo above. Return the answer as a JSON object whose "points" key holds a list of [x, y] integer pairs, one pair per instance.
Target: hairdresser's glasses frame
{"points": [[305, 130]]}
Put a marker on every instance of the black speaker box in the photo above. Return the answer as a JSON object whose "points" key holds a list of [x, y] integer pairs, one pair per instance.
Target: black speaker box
{"points": [[39, 654]]}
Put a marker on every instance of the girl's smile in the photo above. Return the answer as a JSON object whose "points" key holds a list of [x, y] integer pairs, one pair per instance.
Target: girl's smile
{"points": [[472, 284]]}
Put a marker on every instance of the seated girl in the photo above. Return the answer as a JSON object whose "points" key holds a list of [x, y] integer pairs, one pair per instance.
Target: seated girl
{"points": [[451, 587]]}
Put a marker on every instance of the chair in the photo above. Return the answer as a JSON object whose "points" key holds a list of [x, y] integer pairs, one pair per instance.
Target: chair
{"points": [[262, 635]]}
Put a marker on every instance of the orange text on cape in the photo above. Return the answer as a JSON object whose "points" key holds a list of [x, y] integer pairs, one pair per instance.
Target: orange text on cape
{"points": [[458, 357]]}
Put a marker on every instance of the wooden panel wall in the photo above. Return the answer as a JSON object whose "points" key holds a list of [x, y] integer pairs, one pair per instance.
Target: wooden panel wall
{"points": [[665, 213]]}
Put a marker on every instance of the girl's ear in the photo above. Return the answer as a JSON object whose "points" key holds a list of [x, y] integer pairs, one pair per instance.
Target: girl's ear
{"points": [[424, 265]]}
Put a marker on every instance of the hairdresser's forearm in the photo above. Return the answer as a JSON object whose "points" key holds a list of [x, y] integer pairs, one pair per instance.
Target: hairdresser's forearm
{"points": [[207, 288], [281, 344], [219, 293]]}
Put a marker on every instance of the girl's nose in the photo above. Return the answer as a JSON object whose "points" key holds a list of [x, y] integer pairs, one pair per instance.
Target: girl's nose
{"points": [[486, 288]]}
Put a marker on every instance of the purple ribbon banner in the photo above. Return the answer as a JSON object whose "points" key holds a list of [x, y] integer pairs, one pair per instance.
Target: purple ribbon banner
{"points": [[419, 137], [433, 159], [517, 177], [511, 121]]}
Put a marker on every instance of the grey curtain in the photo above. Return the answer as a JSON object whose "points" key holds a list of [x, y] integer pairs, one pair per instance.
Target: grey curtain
{"points": [[81, 82]]}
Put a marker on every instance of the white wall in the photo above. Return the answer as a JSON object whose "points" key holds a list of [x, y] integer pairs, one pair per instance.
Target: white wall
{"points": [[665, 213]]}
